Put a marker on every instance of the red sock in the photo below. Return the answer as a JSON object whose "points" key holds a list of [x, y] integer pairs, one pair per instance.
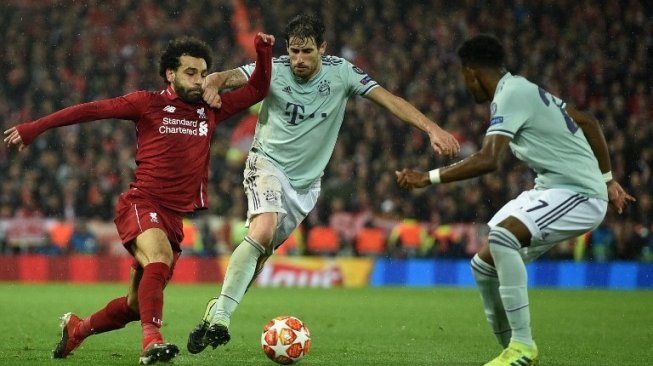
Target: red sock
{"points": [[150, 301], [115, 315]]}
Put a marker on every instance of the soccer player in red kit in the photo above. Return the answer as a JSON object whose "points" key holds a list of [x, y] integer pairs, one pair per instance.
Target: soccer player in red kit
{"points": [[173, 131]]}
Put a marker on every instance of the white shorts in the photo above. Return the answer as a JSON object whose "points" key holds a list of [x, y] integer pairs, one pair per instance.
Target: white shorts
{"points": [[269, 190], [552, 216]]}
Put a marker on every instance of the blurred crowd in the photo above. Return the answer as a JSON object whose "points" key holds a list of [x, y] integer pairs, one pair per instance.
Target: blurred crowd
{"points": [[594, 54]]}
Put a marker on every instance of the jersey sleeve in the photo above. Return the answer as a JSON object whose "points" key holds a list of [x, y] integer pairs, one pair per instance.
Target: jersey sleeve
{"points": [[359, 82], [125, 107], [257, 87], [248, 69], [508, 113]]}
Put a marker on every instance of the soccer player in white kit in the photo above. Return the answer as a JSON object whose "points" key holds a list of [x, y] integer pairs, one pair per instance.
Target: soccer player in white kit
{"points": [[295, 136], [574, 184]]}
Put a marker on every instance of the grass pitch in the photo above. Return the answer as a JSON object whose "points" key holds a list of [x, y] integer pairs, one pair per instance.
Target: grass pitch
{"points": [[372, 326]]}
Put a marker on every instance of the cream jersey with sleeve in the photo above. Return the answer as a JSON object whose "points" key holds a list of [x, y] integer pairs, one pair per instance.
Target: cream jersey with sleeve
{"points": [[545, 137], [299, 120]]}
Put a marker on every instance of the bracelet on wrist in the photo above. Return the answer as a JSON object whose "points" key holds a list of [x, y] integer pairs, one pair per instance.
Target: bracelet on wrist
{"points": [[607, 176], [434, 176]]}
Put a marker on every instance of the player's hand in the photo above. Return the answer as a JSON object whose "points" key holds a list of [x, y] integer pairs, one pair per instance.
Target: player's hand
{"points": [[266, 38], [443, 142], [13, 138], [618, 197], [211, 95], [408, 178]]}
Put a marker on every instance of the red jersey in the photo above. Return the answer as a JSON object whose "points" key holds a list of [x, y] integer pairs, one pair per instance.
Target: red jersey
{"points": [[173, 137]]}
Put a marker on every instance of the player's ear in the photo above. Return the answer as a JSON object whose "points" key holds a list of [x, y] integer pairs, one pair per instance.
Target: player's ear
{"points": [[322, 48], [170, 75]]}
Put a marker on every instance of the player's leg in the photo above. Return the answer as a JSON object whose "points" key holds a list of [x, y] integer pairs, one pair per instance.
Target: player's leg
{"points": [[487, 279], [240, 273], [115, 315], [264, 193], [275, 209], [504, 241], [487, 282], [541, 220], [154, 253], [243, 264]]}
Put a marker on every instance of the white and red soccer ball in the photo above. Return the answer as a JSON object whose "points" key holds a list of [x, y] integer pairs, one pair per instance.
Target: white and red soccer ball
{"points": [[285, 340]]}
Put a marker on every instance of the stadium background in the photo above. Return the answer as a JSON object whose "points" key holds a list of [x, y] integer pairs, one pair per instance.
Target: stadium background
{"points": [[57, 197]]}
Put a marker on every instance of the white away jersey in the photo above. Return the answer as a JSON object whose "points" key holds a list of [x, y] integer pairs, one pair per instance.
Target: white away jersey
{"points": [[545, 137], [299, 120]]}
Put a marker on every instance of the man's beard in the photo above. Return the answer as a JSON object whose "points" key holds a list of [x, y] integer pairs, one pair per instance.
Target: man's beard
{"points": [[187, 95]]}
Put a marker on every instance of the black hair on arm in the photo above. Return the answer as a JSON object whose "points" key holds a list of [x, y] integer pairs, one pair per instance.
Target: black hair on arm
{"points": [[188, 46]]}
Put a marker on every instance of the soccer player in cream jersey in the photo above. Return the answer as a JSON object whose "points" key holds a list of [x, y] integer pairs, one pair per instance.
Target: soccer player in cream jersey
{"points": [[574, 184], [295, 136]]}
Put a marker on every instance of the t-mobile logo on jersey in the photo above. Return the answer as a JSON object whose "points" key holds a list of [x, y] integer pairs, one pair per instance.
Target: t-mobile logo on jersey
{"points": [[296, 113]]}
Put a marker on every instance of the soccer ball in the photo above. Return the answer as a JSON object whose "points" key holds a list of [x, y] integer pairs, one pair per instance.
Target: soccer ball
{"points": [[285, 340]]}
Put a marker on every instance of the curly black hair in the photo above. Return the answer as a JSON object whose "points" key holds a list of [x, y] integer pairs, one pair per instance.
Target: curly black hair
{"points": [[482, 50], [189, 46], [304, 27]]}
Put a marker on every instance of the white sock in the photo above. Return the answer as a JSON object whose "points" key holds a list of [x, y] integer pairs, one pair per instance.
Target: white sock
{"points": [[511, 270], [488, 285], [240, 271]]}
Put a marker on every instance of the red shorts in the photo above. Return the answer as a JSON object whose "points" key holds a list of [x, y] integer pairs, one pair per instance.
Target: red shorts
{"points": [[135, 214]]}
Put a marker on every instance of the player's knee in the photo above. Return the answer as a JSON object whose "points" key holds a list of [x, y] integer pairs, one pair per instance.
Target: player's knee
{"points": [[485, 255], [132, 301], [262, 228], [263, 235], [265, 239], [500, 237]]}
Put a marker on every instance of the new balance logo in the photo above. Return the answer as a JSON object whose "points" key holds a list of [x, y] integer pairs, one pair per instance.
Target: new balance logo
{"points": [[287, 90], [169, 109], [154, 217]]}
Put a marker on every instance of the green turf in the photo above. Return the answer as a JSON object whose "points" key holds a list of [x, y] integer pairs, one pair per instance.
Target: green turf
{"points": [[393, 326]]}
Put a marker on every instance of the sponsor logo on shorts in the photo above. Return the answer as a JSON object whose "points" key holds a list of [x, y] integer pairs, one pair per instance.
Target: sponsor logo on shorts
{"points": [[272, 196]]}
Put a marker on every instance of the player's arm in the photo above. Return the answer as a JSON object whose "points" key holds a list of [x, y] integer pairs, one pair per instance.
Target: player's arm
{"points": [[484, 161], [441, 141], [218, 81], [617, 196], [594, 135], [122, 107], [258, 85]]}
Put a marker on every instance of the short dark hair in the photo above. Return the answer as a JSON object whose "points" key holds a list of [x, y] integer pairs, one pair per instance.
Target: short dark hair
{"points": [[482, 50], [189, 46], [304, 27]]}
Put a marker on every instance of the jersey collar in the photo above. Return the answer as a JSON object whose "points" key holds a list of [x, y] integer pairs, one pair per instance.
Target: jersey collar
{"points": [[502, 81], [170, 93]]}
